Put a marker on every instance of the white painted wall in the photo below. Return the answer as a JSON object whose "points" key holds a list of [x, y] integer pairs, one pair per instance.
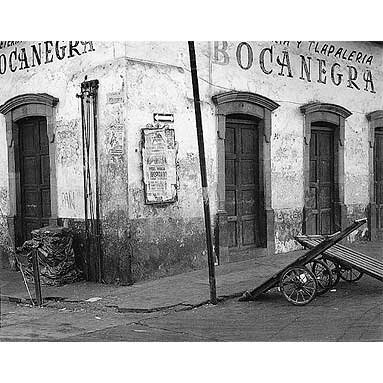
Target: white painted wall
{"points": [[155, 78]]}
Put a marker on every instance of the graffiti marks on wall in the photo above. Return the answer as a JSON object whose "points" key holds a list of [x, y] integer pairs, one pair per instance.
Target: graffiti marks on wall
{"points": [[68, 142], [68, 200], [159, 156], [288, 224]]}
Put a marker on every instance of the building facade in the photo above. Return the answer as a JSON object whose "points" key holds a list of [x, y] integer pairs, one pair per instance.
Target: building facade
{"points": [[106, 130]]}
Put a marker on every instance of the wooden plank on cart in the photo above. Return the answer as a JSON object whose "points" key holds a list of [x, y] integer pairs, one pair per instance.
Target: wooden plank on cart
{"points": [[328, 242], [346, 256]]}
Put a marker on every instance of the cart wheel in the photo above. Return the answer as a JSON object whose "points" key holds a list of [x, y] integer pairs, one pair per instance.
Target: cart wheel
{"points": [[335, 270], [349, 274], [322, 274], [298, 285]]}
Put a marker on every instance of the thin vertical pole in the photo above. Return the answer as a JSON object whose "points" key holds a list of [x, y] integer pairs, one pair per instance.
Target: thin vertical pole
{"points": [[36, 277], [202, 162], [98, 229], [82, 96]]}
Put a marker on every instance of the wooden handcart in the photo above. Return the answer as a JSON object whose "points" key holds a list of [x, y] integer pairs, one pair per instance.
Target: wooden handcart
{"points": [[318, 270], [344, 263]]}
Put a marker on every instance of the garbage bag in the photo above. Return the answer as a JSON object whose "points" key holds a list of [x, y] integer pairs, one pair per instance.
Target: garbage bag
{"points": [[55, 254]]}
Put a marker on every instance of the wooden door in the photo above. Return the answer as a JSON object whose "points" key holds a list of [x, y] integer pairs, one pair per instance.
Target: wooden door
{"points": [[35, 209], [378, 179], [321, 215], [242, 196]]}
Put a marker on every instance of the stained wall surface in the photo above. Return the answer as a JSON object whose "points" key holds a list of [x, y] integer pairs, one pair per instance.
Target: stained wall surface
{"points": [[154, 77]]}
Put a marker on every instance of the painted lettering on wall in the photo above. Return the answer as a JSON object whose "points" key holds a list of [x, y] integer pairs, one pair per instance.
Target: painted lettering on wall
{"points": [[115, 97], [331, 50], [6, 44], [45, 52], [352, 68]]}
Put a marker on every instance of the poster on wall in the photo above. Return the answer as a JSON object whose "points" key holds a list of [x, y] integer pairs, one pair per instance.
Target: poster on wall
{"points": [[159, 161], [115, 140]]}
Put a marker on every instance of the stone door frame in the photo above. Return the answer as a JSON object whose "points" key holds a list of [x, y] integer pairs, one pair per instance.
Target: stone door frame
{"points": [[375, 120], [16, 108], [258, 106], [335, 115]]}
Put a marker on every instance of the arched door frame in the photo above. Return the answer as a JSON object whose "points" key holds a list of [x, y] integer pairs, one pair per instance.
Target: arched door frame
{"points": [[16, 108], [336, 116], [260, 107], [375, 120]]}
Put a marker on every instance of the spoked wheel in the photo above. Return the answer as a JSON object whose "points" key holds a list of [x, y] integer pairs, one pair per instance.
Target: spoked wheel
{"points": [[298, 285], [335, 270], [322, 274], [349, 274]]}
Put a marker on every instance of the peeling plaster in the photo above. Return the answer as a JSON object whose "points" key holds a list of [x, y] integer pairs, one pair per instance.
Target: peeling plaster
{"points": [[288, 224], [153, 77]]}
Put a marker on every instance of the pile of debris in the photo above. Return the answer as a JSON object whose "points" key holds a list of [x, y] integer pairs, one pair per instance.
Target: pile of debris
{"points": [[55, 254]]}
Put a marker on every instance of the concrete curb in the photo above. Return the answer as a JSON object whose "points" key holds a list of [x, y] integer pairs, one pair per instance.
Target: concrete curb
{"points": [[9, 299], [182, 305]]}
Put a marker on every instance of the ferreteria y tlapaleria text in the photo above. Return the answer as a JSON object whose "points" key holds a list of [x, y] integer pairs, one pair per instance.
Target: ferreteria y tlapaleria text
{"points": [[314, 66]]}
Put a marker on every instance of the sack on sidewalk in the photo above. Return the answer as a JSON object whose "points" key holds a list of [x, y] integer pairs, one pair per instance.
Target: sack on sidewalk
{"points": [[55, 255]]}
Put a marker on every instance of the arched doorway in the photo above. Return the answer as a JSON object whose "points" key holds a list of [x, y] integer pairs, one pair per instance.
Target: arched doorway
{"points": [[323, 156], [33, 197], [245, 218], [243, 186], [30, 122], [321, 219], [375, 209]]}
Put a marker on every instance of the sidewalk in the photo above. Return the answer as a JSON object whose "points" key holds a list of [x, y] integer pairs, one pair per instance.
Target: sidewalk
{"points": [[188, 289]]}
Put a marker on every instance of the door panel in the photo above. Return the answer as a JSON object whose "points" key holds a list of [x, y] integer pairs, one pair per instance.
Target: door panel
{"points": [[30, 171], [320, 205], [248, 232], [232, 234], [325, 221], [242, 183], [378, 179], [35, 198], [231, 203], [45, 170], [30, 203], [230, 141], [248, 172], [248, 202], [230, 171], [248, 142]]}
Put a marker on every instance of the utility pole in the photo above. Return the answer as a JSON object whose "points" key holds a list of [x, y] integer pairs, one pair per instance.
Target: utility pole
{"points": [[202, 163]]}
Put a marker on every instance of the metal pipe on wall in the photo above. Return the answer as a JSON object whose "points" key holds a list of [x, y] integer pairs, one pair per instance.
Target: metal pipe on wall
{"points": [[89, 118]]}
